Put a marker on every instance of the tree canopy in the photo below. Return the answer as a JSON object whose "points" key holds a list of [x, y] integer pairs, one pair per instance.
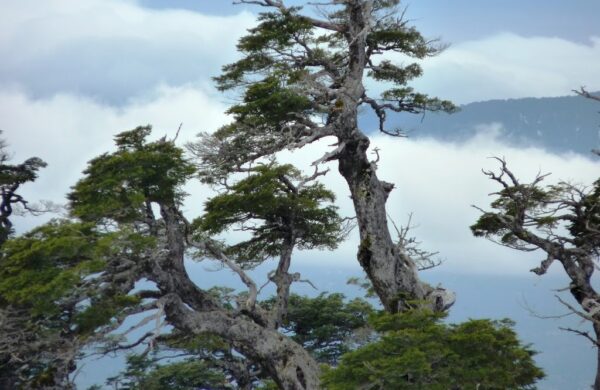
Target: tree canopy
{"points": [[418, 351], [123, 248], [302, 79]]}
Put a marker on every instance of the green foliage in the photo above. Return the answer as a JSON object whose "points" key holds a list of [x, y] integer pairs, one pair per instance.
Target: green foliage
{"points": [[270, 101], [52, 298], [514, 202], [276, 212], [589, 216], [327, 325], [21, 173], [11, 179], [418, 351], [143, 373], [100, 312], [44, 266], [293, 71], [275, 31], [51, 269], [118, 186], [519, 208]]}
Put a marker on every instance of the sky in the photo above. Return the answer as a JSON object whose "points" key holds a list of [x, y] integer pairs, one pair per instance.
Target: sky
{"points": [[76, 72]]}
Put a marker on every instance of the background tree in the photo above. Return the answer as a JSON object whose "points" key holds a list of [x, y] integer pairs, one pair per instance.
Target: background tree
{"points": [[12, 177], [13, 319], [327, 326], [561, 220], [302, 79], [368, 348], [143, 373], [417, 350], [53, 301], [78, 280], [122, 191]]}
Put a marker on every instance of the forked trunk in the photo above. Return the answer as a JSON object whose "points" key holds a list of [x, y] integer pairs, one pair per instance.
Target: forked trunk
{"points": [[392, 273], [192, 310], [287, 363]]}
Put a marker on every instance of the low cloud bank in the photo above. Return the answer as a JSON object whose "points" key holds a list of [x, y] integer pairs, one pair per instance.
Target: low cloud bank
{"points": [[436, 181], [509, 66]]}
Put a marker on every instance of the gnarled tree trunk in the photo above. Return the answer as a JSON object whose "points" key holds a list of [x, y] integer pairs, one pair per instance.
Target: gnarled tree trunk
{"points": [[288, 364], [392, 273], [190, 309]]}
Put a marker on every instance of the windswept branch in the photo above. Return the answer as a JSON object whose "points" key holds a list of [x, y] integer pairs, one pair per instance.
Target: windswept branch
{"points": [[279, 5], [216, 252]]}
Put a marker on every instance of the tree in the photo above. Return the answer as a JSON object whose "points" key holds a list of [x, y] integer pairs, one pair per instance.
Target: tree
{"points": [[60, 290], [12, 318], [417, 351], [12, 177], [76, 279], [362, 348], [302, 79], [143, 373], [327, 326], [282, 209], [561, 220]]}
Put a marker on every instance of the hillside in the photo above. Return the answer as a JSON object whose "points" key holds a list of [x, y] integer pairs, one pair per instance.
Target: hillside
{"points": [[558, 124]]}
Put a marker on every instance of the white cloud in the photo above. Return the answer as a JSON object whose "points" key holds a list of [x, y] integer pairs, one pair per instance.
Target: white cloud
{"points": [[510, 66], [111, 49], [63, 58], [67, 131], [507, 66], [438, 182]]}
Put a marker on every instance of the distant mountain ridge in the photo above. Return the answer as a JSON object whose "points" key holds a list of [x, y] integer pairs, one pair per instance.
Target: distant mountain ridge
{"points": [[558, 124]]}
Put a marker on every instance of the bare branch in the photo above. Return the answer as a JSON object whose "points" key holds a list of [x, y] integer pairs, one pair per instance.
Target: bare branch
{"points": [[580, 313], [332, 155], [583, 92], [582, 333], [285, 10], [424, 260], [213, 248], [312, 177]]}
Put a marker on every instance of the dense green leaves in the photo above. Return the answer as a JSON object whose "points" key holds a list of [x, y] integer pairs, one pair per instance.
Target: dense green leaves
{"points": [[52, 299], [417, 351], [270, 101], [274, 33], [328, 325], [21, 173], [296, 70], [582, 228], [520, 207], [512, 204], [276, 212], [119, 185], [143, 373], [51, 270], [12, 177], [44, 266]]}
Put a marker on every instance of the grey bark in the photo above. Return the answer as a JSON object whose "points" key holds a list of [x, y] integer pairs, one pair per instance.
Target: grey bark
{"points": [[338, 91], [393, 274], [288, 364], [190, 309], [597, 378], [525, 217]]}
